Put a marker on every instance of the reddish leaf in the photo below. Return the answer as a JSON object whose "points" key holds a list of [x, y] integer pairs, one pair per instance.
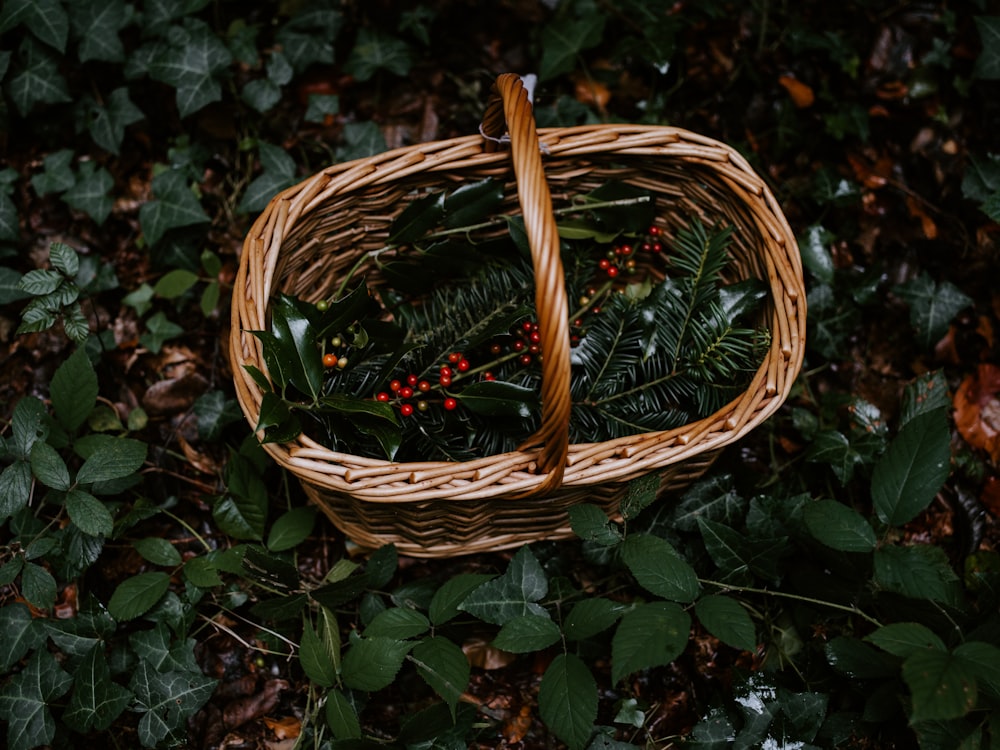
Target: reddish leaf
{"points": [[977, 409]]}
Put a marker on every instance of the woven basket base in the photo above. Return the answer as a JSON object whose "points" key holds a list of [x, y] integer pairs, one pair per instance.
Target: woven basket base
{"points": [[445, 528]]}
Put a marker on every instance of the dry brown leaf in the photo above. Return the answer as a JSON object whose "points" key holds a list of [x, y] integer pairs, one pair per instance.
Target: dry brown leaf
{"points": [[801, 93], [482, 655], [174, 395], [285, 728], [515, 729], [242, 710], [926, 222], [590, 92], [977, 410]]}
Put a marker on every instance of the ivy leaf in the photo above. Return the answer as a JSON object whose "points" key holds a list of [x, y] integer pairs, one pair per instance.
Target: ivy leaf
{"points": [[96, 25], [727, 620], [651, 635], [191, 62], [58, 174], [261, 94], [526, 633], [46, 19], [988, 63], [159, 330], [175, 206], [37, 79], [321, 107], [279, 172], [816, 255], [361, 140], [563, 41], [24, 701], [832, 448], [137, 595], [443, 666], [658, 568], [567, 700], [932, 306], [90, 193], [371, 664], [96, 700], [167, 700], [727, 549], [22, 633], [839, 527], [496, 398], [107, 123], [307, 37], [375, 50], [9, 226], [513, 594], [912, 470]]}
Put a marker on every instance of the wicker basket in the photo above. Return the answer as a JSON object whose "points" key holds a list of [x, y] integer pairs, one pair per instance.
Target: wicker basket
{"points": [[310, 235]]}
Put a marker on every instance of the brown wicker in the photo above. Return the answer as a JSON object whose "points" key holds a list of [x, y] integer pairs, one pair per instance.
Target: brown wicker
{"points": [[312, 234]]}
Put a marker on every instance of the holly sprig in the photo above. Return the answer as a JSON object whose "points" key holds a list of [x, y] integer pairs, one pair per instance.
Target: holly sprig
{"points": [[439, 359]]}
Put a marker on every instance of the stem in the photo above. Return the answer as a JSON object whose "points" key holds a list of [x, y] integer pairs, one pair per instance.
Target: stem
{"points": [[797, 597], [190, 529]]}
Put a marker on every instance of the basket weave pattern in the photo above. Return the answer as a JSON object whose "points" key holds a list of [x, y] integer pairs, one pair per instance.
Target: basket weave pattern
{"points": [[314, 233]]}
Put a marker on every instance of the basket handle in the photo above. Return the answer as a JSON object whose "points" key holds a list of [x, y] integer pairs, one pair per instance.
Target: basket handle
{"points": [[509, 106]]}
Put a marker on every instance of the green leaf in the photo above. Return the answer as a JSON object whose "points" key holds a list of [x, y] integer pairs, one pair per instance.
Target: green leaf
{"points": [[832, 448], [371, 664], [911, 472], [192, 62], [659, 569], [473, 202], [96, 25], [25, 698], [983, 660], [315, 661], [932, 306], [858, 660], [113, 459], [727, 620], [159, 329], [88, 513], [202, 572], [74, 390], [651, 635], [167, 700], [361, 140], [513, 594], [90, 193], [48, 466], [445, 603], [37, 79], [64, 259], [48, 22], [527, 633], [75, 324], [942, 686], [40, 281], [158, 551], [563, 41], [374, 50], [727, 549], [592, 524], [215, 411], [107, 123], [322, 106], [262, 94], [639, 495], [28, 424], [495, 398], [291, 529], [22, 633], [38, 586], [294, 337], [928, 392], [816, 255], [175, 283], [175, 206], [341, 716], [839, 527], [904, 638], [567, 700], [919, 572], [279, 172], [444, 667], [15, 488], [398, 623], [96, 700], [418, 218], [242, 511], [137, 595], [592, 616], [988, 63]]}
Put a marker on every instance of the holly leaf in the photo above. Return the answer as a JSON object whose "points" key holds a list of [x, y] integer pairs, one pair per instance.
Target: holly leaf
{"points": [[24, 701], [495, 398], [418, 218], [175, 206]]}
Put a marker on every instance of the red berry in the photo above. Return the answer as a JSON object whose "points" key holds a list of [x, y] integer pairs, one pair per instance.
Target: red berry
{"points": [[383, 396], [406, 392], [612, 272], [626, 249], [446, 372], [445, 380], [604, 263], [423, 386], [489, 376], [534, 348], [463, 365], [496, 349], [654, 230], [525, 359], [412, 379], [657, 247], [330, 360], [527, 325], [518, 346], [535, 337], [454, 357], [406, 410], [395, 385], [450, 403]]}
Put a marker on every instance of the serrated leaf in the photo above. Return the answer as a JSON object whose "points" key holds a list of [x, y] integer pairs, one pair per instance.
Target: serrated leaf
{"points": [[513, 594], [37, 79], [563, 40], [49, 467], [40, 281], [919, 572], [371, 664], [592, 616], [983, 660], [839, 527], [398, 623], [75, 324], [38, 586], [315, 662], [727, 620], [913, 469], [443, 666], [856, 659], [904, 638], [942, 686], [74, 390], [341, 716], [22, 633], [137, 595], [113, 459], [592, 524], [659, 569], [167, 700], [445, 603], [374, 50], [15, 488], [88, 513], [158, 551], [567, 700], [25, 698], [526, 633], [651, 635], [96, 700], [175, 206], [988, 63]]}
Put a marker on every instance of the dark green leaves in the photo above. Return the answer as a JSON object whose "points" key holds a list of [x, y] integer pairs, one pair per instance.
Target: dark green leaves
{"points": [[444, 667], [567, 700], [499, 399], [513, 594], [563, 42], [192, 60], [988, 62], [278, 173], [372, 663], [932, 306], [651, 635], [96, 700], [659, 569], [175, 206], [36, 79], [167, 700], [839, 527], [24, 701], [137, 595], [375, 50]]}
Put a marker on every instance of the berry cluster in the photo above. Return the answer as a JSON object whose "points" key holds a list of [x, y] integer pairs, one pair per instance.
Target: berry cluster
{"points": [[621, 258], [524, 341]]}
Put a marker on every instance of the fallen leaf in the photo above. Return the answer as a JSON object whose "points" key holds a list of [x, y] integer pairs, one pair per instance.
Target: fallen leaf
{"points": [[515, 729], [482, 655], [926, 222], [977, 410], [990, 496], [174, 395], [242, 710], [286, 728], [801, 93], [590, 92]]}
